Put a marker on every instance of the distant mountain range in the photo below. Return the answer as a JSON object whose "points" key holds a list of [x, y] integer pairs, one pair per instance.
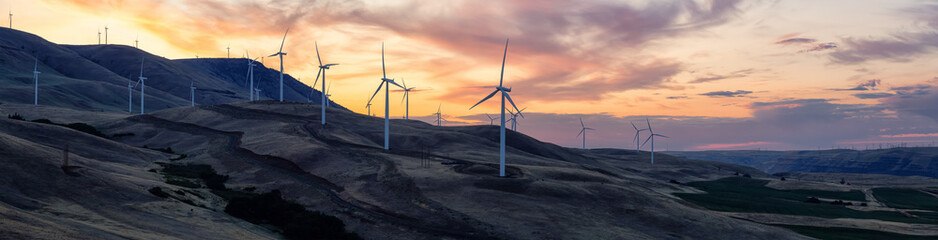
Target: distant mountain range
{"points": [[95, 77], [917, 161]]}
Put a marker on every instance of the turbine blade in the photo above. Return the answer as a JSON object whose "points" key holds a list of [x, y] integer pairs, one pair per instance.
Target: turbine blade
{"points": [[581, 123], [384, 72], [486, 98], [509, 100], [403, 97], [284, 40], [376, 92], [317, 54], [581, 132], [646, 141], [633, 126], [519, 112], [404, 83], [649, 125], [661, 135], [395, 84], [317, 79], [501, 79]]}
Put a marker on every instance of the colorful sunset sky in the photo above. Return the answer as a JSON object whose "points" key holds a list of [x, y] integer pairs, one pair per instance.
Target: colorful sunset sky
{"points": [[719, 74]]}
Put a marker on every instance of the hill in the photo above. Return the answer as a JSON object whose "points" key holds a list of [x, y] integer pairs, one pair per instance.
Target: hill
{"points": [[95, 77], [435, 182], [914, 161]]}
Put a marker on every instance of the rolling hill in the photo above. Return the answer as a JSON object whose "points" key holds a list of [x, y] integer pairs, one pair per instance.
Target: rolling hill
{"points": [[95, 77]]}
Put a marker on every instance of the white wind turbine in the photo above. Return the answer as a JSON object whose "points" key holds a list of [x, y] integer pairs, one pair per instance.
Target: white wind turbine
{"points": [[191, 94], [11, 18], [136, 40], [491, 119], [637, 139], [99, 35], [406, 98], [504, 91], [250, 76], [229, 50], [514, 118], [328, 95], [322, 70], [369, 108], [439, 116], [385, 81], [36, 76], [652, 139], [280, 54], [143, 85], [105, 34], [583, 131]]}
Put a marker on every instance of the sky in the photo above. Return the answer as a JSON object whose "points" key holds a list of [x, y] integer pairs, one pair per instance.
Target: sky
{"points": [[710, 75]]}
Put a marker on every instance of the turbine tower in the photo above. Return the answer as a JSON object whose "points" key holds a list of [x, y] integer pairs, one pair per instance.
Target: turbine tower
{"points": [[385, 81], [406, 98], [11, 18], [514, 118], [191, 94], [280, 54], [229, 50], [105, 34], [99, 35], [136, 40], [369, 108], [130, 94], [637, 139], [322, 70], [328, 95], [491, 119], [504, 91], [652, 139], [36, 76], [583, 131], [250, 76]]}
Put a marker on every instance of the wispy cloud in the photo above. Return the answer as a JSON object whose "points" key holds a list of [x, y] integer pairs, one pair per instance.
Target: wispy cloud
{"points": [[873, 95], [863, 86], [737, 93], [734, 74], [714, 146]]}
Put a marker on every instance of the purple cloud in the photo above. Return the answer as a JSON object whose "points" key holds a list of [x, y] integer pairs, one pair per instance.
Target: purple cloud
{"points": [[737, 93]]}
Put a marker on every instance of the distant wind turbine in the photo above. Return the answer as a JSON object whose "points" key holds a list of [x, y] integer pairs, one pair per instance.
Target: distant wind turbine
{"points": [[491, 119], [36, 76], [229, 50], [439, 116], [406, 98], [280, 54], [369, 108], [322, 70], [637, 139], [652, 139], [191, 94], [583, 132], [99, 35], [143, 85], [328, 95], [250, 76], [11, 18], [105, 34], [504, 91], [514, 118], [136, 40], [385, 81]]}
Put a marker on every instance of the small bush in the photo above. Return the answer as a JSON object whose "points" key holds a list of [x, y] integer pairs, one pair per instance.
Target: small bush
{"points": [[43, 120], [296, 221], [16, 116], [157, 191], [86, 129], [674, 181], [812, 200], [197, 171], [177, 158], [864, 204], [783, 179]]}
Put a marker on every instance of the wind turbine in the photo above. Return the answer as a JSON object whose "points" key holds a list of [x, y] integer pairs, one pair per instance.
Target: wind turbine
{"points": [[11, 18], [143, 85], [514, 118], [99, 35], [491, 119], [322, 70], [280, 54], [439, 116], [229, 50], [385, 80], [637, 139], [36, 76], [583, 131], [136, 40], [105, 34], [328, 95], [407, 98], [250, 76], [504, 91], [369, 108], [191, 94], [652, 138]]}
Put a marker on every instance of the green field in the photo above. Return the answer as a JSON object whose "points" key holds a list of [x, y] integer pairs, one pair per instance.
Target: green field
{"points": [[835, 233], [906, 198], [737, 194]]}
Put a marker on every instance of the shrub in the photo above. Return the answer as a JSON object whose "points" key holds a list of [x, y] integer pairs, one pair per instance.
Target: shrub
{"points": [[16, 116], [812, 200], [157, 191], [86, 129], [783, 178], [296, 221], [43, 120]]}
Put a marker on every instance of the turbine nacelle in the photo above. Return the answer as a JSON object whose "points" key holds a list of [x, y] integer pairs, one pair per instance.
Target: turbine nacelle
{"points": [[328, 65], [503, 89]]}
